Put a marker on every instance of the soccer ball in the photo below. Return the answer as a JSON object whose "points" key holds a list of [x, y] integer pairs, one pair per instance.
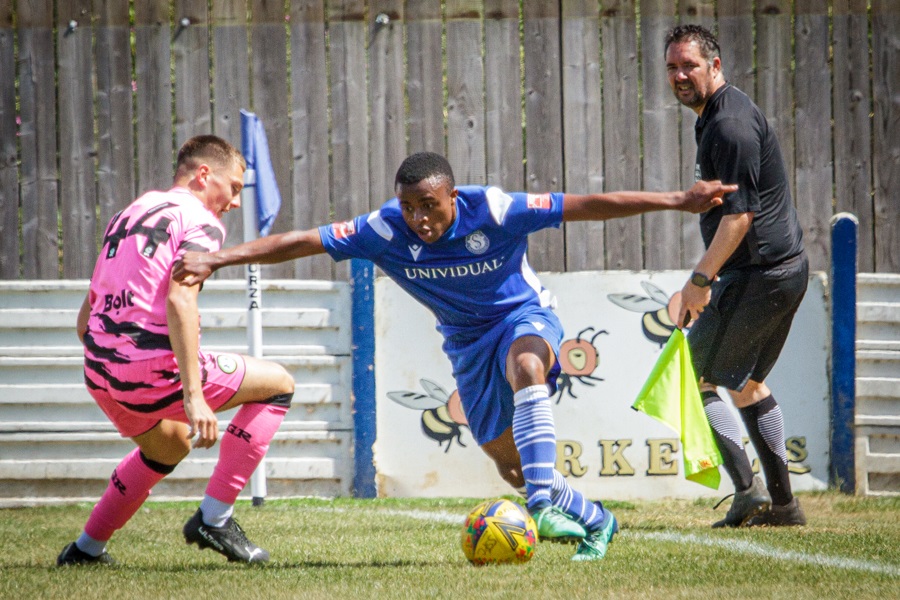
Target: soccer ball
{"points": [[499, 531]]}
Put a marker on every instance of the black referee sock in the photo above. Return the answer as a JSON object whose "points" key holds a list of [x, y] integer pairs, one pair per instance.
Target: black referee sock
{"points": [[765, 425], [728, 439]]}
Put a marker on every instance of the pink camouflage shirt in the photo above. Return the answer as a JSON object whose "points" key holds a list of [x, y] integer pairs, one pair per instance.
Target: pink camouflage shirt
{"points": [[131, 278]]}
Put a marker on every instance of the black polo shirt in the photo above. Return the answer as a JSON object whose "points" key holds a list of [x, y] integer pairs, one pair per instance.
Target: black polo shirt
{"points": [[736, 145]]}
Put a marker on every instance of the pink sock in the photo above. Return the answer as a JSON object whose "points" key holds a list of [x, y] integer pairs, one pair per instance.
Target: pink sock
{"points": [[243, 446], [129, 486]]}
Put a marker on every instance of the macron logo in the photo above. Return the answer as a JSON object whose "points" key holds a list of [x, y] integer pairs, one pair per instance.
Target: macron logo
{"points": [[538, 325], [415, 250]]}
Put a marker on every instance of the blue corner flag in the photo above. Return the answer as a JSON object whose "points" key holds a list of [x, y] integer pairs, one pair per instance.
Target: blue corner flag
{"points": [[255, 148]]}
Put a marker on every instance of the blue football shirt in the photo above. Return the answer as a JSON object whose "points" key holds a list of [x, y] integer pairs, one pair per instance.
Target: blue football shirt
{"points": [[476, 274]]}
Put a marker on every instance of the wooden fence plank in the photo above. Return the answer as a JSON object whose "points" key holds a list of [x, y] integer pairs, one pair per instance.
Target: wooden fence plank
{"points": [[37, 101], [190, 46], [702, 13], [115, 113], [735, 18], [269, 77], [774, 83], [621, 132], [886, 91], [309, 119], [543, 124], [9, 175], [582, 127], [813, 130], [387, 126], [852, 99], [465, 91], [77, 168], [503, 95], [349, 129], [231, 92], [662, 230], [153, 59], [424, 77]]}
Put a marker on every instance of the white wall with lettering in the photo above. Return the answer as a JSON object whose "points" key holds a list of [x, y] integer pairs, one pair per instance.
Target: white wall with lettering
{"points": [[614, 323]]}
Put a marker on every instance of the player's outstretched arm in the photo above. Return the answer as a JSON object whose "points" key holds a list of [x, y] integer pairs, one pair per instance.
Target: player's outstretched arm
{"points": [[197, 266], [703, 196]]}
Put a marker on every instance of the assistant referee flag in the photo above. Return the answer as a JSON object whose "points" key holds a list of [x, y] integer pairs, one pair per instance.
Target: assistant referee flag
{"points": [[671, 396]]}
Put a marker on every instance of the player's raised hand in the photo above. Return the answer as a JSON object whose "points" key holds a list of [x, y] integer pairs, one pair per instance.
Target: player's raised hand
{"points": [[705, 195], [192, 269]]}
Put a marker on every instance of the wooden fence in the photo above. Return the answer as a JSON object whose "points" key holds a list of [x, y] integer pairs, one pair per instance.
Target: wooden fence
{"points": [[96, 97]]}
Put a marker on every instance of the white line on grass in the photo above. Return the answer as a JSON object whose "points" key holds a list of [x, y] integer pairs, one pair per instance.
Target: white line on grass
{"points": [[736, 546]]}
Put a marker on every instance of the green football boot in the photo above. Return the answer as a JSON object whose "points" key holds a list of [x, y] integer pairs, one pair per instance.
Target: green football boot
{"points": [[554, 525], [593, 546]]}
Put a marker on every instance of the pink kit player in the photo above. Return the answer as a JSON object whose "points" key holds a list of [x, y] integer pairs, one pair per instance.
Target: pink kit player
{"points": [[144, 366]]}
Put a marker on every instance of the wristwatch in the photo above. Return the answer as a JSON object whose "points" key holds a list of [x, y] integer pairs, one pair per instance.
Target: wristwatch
{"points": [[700, 280]]}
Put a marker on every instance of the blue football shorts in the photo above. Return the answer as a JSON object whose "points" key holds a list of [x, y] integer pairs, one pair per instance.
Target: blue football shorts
{"points": [[479, 368]]}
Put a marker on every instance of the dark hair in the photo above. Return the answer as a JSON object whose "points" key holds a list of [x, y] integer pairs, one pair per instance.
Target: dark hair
{"points": [[423, 165], [208, 149], [709, 45]]}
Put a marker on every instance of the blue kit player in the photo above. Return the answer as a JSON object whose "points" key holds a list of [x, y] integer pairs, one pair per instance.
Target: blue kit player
{"points": [[461, 252]]}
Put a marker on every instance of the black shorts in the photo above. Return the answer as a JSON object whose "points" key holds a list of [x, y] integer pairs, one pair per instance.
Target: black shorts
{"points": [[739, 336]]}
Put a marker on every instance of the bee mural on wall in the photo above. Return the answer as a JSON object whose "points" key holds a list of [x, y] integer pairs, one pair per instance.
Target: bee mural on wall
{"points": [[442, 413], [578, 359], [660, 311]]}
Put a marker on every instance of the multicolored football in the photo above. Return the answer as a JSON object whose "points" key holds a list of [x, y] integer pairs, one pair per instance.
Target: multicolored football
{"points": [[499, 531]]}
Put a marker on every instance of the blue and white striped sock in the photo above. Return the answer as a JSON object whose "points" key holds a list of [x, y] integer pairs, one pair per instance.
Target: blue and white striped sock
{"points": [[535, 438]]}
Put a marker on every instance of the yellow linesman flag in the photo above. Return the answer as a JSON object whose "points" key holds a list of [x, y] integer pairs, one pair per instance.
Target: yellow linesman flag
{"points": [[671, 396]]}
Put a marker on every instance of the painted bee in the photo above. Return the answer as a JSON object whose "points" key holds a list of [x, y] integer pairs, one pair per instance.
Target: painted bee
{"points": [[659, 310], [442, 414], [578, 358]]}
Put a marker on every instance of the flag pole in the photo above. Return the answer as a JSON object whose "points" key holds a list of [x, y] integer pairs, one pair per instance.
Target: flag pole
{"points": [[254, 288]]}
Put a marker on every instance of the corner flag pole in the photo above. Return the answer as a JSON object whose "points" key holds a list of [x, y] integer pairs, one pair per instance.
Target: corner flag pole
{"points": [[260, 200], [254, 312]]}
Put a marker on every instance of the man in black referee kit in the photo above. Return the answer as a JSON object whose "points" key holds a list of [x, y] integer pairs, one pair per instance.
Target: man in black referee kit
{"points": [[746, 288]]}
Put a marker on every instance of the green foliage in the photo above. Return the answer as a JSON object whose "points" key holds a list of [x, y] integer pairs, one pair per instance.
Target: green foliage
{"points": [[405, 548]]}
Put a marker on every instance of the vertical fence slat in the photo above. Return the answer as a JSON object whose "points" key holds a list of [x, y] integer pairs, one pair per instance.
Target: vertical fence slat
{"points": [[349, 122], [465, 91], [9, 175], [190, 45], [115, 113], [503, 95], [269, 77], [543, 124], [736, 42], [621, 131], [424, 77], [154, 95], [852, 125], [582, 126], [662, 230], [231, 93], [77, 187], [774, 84], [813, 129], [701, 13], [886, 91], [387, 131], [37, 101], [309, 120]]}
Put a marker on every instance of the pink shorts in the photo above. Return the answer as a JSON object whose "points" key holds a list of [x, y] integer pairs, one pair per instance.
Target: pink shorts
{"points": [[138, 395]]}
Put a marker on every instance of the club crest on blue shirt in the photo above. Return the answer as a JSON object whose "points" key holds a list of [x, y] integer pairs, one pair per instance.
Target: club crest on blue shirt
{"points": [[477, 242]]}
